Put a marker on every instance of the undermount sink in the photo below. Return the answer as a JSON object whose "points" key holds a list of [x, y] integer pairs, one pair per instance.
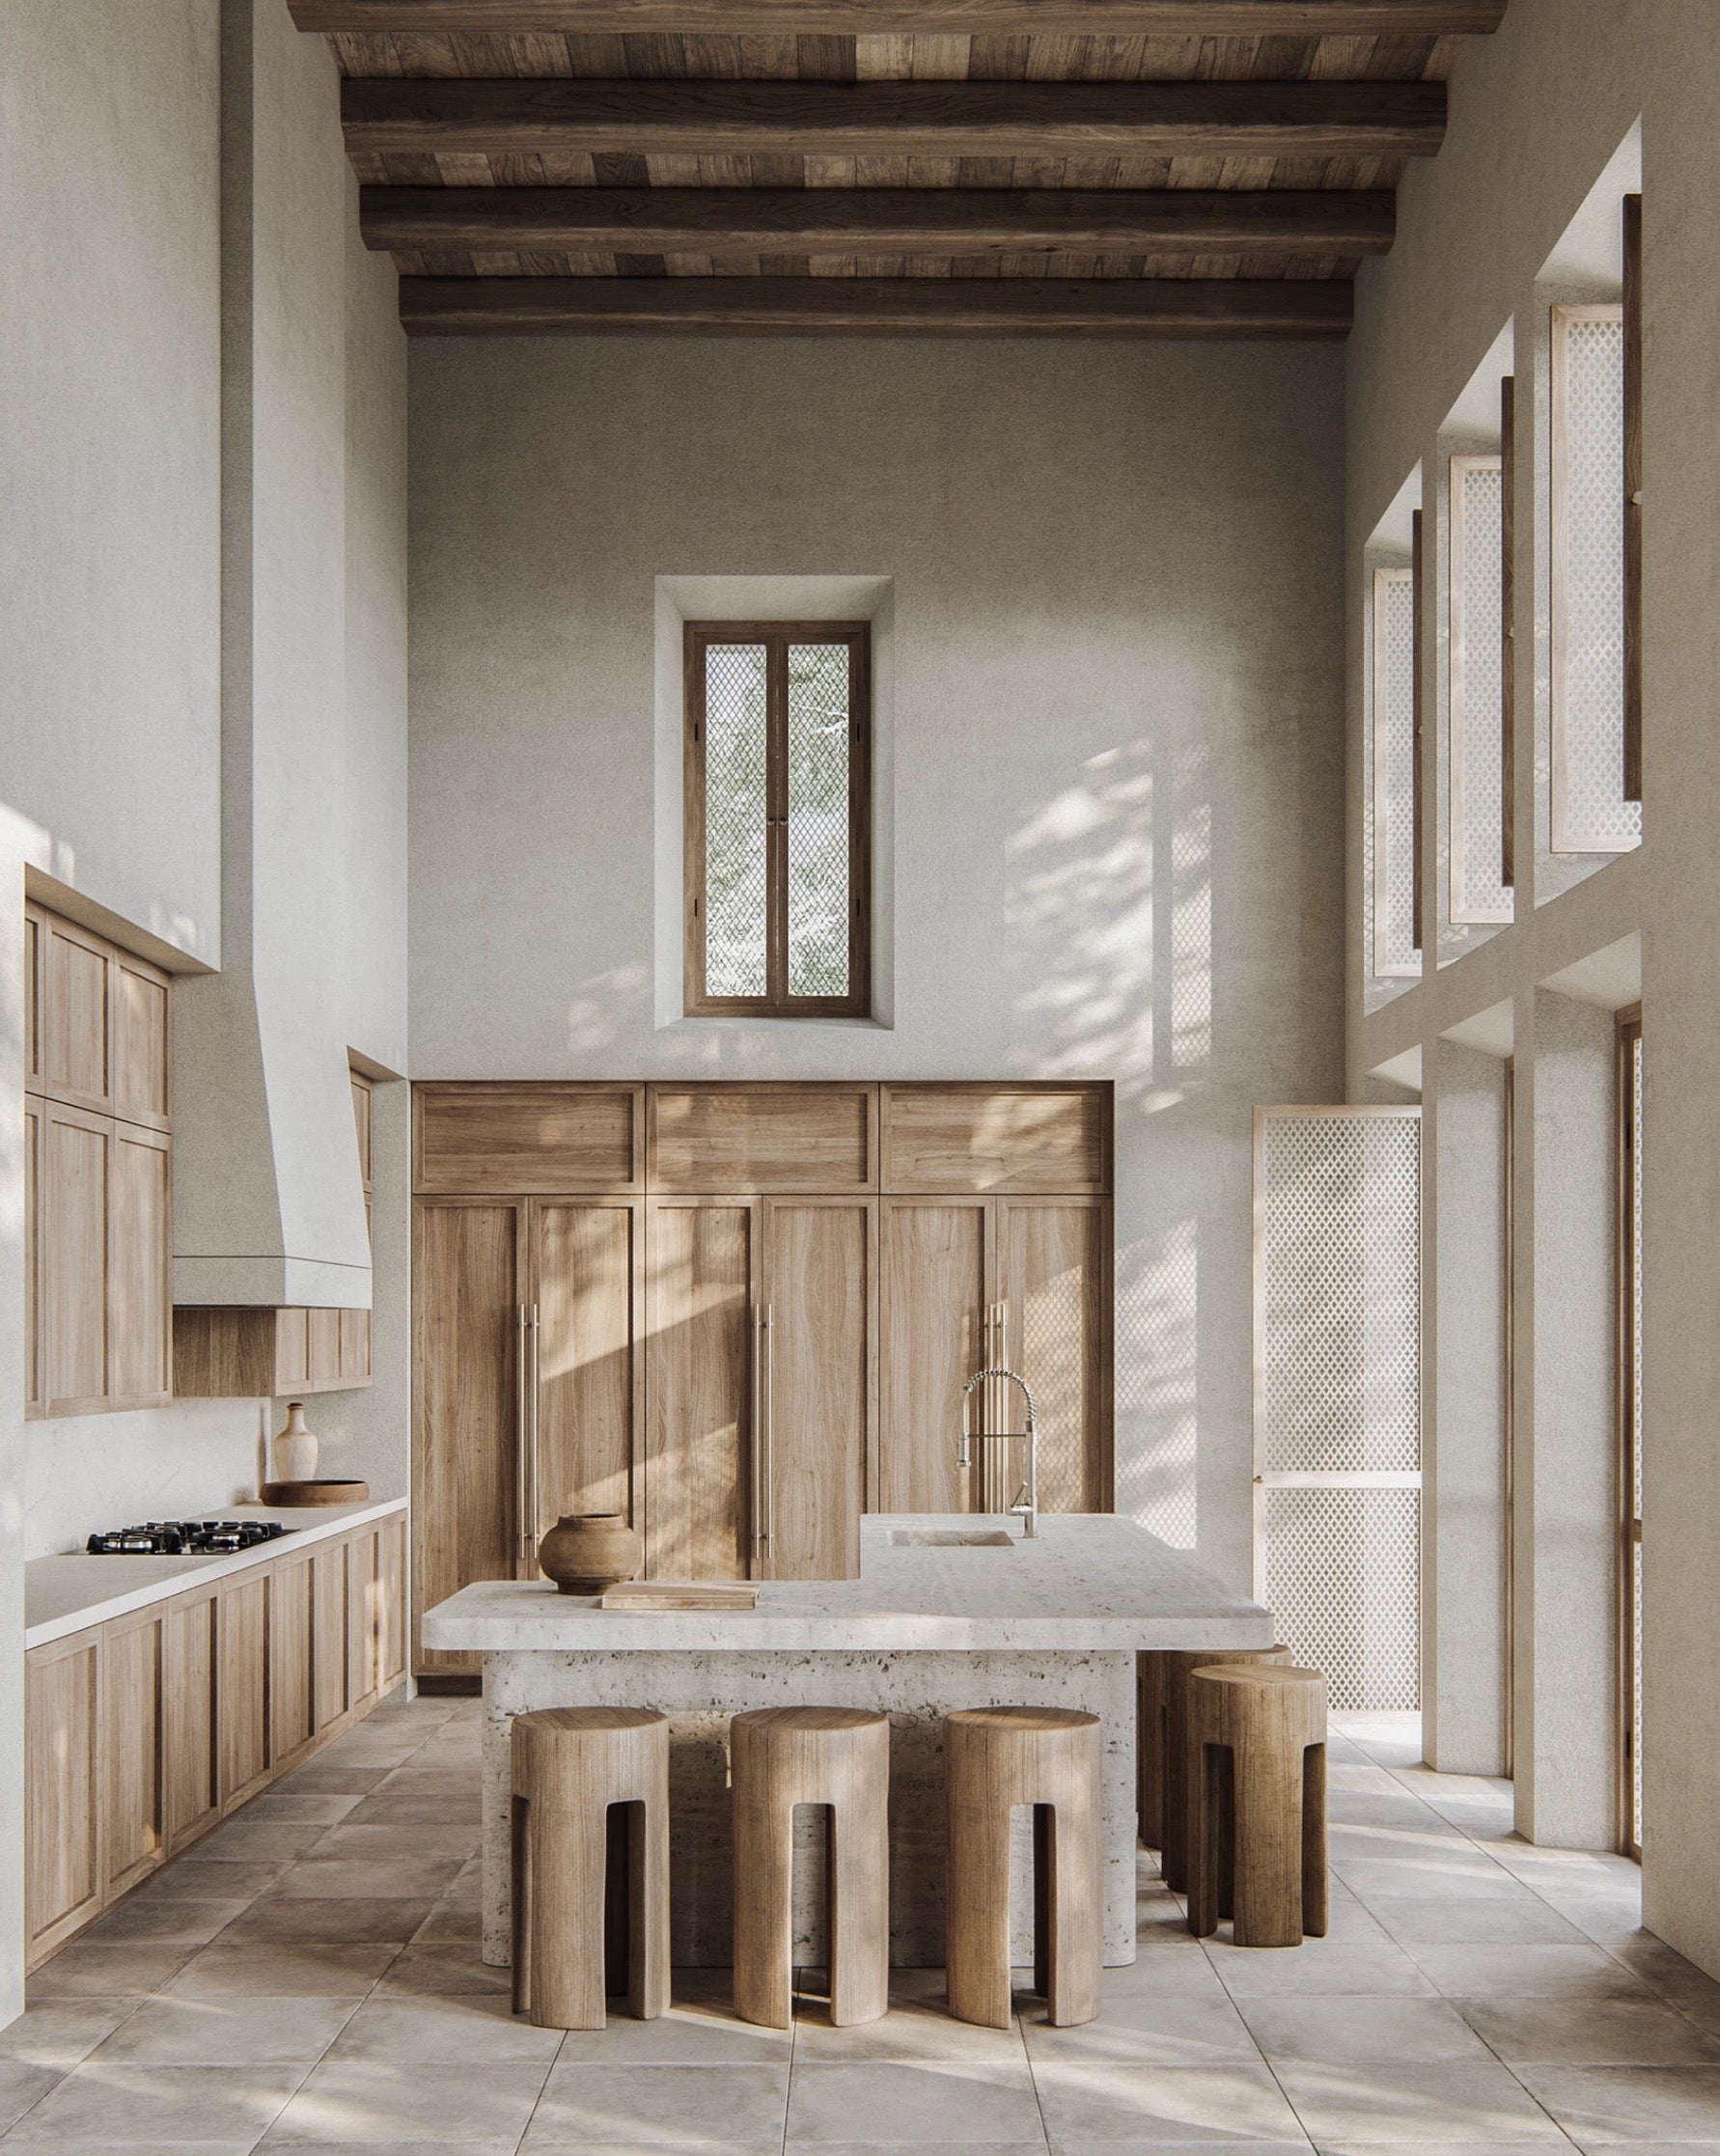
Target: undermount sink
{"points": [[951, 1538]]}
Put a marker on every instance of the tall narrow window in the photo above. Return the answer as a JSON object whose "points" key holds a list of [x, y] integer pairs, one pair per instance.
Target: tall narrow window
{"points": [[778, 820], [1395, 948], [1590, 814], [1630, 1433], [1476, 681]]}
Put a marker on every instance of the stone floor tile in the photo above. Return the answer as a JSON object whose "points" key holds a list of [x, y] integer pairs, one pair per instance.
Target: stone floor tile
{"points": [[1320, 1968], [441, 1969], [365, 2102], [327, 1776], [1521, 1919], [394, 1839], [1179, 1968], [1608, 2104], [1590, 2032], [913, 2101], [242, 2030], [1111, 2103], [451, 1922], [404, 1878], [281, 1968], [245, 1840], [697, 2031], [300, 1806], [659, 2107], [276, 2143], [383, 1810], [475, 2026], [59, 2032], [93, 1969], [1360, 2032], [157, 2107], [1148, 2030], [24, 2083], [170, 1922], [190, 1879], [1556, 1972], [1473, 1877], [352, 1922], [1060, 2147], [894, 2149], [1473, 2099]]}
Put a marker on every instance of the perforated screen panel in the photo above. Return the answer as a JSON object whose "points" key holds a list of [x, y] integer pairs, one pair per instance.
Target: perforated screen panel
{"points": [[1338, 1398], [1590, 812], [1393, 773], [736, 805], [819, 744], [1477, 653]]}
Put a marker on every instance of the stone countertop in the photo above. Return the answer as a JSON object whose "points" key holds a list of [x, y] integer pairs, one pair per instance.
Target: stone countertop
{"points": [[66, 1593], [1088, 1581]]}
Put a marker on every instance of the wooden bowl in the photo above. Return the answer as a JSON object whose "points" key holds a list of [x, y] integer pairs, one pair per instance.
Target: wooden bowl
{"points": [[314, 1493]]}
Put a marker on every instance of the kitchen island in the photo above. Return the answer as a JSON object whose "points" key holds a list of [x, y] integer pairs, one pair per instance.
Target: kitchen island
{"points": [[947, 1611]]}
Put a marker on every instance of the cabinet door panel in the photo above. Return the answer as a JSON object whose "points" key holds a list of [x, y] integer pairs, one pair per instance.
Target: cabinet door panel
{"points": [[1053, 1281], [391, 1602], [291, 1669], [140, 1259], [356, 1346], [241, 1687], [700, 1260], [134, 1821], [819, 1291], [34, 954], [542, 1139], [585, 1272], [323, 1349], [190, 1770], [719, 1137], [996, 1138], [139, 1019], [293, 1352], [34, 1309], [467, 1294], [62, 1804], [328, 1633], [934, 1273], [76, 1059], [362, 1611], [77, 1158]]}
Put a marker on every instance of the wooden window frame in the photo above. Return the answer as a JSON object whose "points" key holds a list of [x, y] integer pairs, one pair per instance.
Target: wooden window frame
{"points": [[777, 1002], [1628, 1041]]}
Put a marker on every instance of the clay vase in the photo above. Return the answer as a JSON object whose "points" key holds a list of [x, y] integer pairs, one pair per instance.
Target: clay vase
{"points": [[586, 1552], [295, 1448]]}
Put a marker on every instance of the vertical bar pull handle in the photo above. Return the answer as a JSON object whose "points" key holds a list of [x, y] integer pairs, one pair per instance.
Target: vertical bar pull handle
{"points": [[770, 1436], [758, 1439], [535, 1502], [521, 1381]]}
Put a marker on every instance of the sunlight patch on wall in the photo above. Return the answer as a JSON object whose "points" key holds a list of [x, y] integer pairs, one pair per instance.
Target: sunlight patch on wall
{"points": [[1156, 1373]]}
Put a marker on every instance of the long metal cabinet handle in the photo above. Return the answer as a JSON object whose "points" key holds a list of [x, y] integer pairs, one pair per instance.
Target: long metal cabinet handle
{"points": [[532, 1404], [769, 1434], [520, 1431], [756, 1450]]}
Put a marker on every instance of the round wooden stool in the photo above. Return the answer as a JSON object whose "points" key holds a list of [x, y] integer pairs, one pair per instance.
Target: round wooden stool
{"points": [[1258, 1802], [1163, 1761], [995, 1758], [591, 1862], [837, 1757]]}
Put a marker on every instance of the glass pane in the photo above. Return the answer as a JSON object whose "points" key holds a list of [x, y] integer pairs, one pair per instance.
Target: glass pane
{"points": [[735, 836], [818, 819]]}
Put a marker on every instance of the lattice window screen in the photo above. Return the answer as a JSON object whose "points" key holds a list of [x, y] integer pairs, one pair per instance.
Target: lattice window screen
{"points": [[1394, 774], [1338, 1393], [1477, 655], [1590, 812]]}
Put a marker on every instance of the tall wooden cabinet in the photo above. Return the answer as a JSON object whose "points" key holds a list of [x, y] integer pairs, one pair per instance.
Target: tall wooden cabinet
{"points": [[743, 1316]]}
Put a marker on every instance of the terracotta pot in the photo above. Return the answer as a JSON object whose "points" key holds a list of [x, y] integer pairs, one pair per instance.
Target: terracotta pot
{"points": [[586, 1552]]}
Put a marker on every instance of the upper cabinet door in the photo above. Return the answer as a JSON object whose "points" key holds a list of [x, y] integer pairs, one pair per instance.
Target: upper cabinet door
{"points": [[818, 1344], [1054, 1294], [76, 1168], [76, 1051], [934, 1269], [140, 1267], [138, 1025], [35, 960], [528, 1140], [711, 1138], [588, 1276], [702, 1260], [1002, 1139]]}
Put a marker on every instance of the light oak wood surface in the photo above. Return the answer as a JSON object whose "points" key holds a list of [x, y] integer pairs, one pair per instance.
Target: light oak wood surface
{"points": [[996, 1758], [330, 1636], [76, 1199], [134, 1820], [538, 1140], [35, 999], [837, 1757], [935, 1267], [139, 1267], [587, 1272], [1022, 1139], [242, 1686], [291, 1659], [34, 1307], [1053, 1281], [759, 1139], [1259, 1826], [190, 1764], [63, 1812], [259, 1352], [1165, 1762], [580, 1916], [138, 993]]}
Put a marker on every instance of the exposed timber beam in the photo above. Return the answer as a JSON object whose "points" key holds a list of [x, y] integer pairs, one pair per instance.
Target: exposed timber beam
{"points": [[875, 306], [886, 221], [683, 118], [1108, 18]]}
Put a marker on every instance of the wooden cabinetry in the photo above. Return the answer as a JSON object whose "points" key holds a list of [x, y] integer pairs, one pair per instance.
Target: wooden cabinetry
{"points": [[1029, 1138], [233, 1352], [97, 1173], [140, 1733]]}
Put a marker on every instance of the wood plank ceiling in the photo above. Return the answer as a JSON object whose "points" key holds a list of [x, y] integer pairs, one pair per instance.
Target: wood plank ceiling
{"points": [[991, 167]]}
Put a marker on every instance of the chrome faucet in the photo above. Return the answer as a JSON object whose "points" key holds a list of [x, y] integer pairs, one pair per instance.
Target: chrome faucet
{"points": [[1026, 1505]]}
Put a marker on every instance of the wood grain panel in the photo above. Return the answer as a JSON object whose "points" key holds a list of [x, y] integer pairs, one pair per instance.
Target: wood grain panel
{"points": [[934, 1270], [1053, 1279], [391, 1600], [519, 1139], [700, 1260], [1027, 1138], [75, 1167], [34, 1309], [242, 1686], [63, 1857], [76, 1051], [821, 1289], [588, 1278], [467, 1290], [323, 1349], [224, 1352], [907, 21], [190, 1768], [292, 1663], [291, 1369], [328, 1636], [35, 957], [140, 1040], [759, 1139], [140, 1268], [355, 1360], [361, 1120], [362, 1612], [134, 1823]]}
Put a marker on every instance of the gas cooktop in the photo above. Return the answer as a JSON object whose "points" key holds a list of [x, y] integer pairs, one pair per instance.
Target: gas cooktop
{"points": [[185, 1538]]}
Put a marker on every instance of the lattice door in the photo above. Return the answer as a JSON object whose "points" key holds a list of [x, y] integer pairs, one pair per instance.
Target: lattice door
{"points": [[1338, 1393]]}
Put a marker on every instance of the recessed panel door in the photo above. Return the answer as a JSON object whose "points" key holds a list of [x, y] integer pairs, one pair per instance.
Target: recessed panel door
{"points": [[589, 1372], [934, 1276], [1053, 1291], [700, 1260]]}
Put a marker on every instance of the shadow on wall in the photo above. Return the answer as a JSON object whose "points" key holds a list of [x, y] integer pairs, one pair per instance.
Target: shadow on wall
{"points": [[1110, 904]]}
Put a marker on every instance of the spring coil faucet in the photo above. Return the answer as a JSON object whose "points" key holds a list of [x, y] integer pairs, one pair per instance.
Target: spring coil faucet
{"points": [[1026, 1505]]}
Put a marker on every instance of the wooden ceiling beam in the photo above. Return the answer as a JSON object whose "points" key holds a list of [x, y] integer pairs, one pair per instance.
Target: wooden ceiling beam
{"points": [[887, 221], [873, 306], [1108, 18], [681, 118]]}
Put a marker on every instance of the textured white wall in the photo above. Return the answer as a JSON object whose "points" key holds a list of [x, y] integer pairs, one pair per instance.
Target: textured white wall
{"points": [[1116, 754]]}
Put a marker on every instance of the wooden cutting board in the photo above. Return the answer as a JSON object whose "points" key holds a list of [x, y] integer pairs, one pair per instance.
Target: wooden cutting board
{"points": [[680, 1594]]}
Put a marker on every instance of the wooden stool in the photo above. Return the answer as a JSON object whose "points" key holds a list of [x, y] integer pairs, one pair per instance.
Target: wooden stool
{"points": [[590, 1794], [1163, 1762], [839, 1757], [1259, 1809], [995, 1758]]}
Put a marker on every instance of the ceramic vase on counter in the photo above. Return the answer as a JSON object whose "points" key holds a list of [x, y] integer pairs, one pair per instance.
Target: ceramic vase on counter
{"points": [[295, 1448], [586, 1552]]}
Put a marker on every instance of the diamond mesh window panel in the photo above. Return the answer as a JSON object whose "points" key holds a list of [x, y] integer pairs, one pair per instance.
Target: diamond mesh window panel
{"points": [[1475, 679], [819, 760], [737, 802], [1590, 812], [1393, 773], [1338, 1393]]}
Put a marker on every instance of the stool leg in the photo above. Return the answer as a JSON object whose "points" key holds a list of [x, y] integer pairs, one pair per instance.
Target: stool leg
{"points": [[763, 1914], [1269, 1843], [520, 1880], [1315, 1914], [859, 1884], [1070, 1920], [648, 1908], [1180, 1781], [565, 1868], [978, 1954], [1209, 1823], [1149, 1750]]}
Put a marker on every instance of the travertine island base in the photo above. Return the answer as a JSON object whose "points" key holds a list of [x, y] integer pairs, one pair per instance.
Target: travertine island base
{"points": [[930, 1625]]}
